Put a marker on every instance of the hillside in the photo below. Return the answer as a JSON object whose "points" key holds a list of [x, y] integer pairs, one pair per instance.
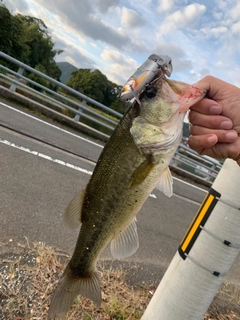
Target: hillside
{"points": [[66, 68]]}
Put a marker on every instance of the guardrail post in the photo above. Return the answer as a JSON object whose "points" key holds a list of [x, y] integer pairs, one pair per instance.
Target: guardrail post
{"points": [[17, 78], [77, 116]]}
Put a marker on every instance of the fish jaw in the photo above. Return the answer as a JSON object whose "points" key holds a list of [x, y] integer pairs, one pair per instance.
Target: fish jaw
{"points": [[187, 95], [159, 125]]}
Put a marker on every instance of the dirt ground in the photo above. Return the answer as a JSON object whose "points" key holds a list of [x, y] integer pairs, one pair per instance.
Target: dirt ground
{"points": [[29, 274]]}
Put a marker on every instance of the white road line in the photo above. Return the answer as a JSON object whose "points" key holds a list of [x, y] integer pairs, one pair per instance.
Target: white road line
{"points": [[46, 157], [51, 125], [79, 137]]}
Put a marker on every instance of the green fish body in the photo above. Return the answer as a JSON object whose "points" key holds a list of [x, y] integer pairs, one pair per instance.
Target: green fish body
{"points": [[134, 161]]}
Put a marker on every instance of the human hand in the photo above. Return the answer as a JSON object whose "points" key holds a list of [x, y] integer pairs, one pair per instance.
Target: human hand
{"points": [[215, 120]]}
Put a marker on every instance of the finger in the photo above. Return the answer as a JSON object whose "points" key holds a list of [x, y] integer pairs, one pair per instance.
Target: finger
{"points": [[212, 85], [207, 106], [201, 142], [206, 145], [226, 136], [213, 121]]}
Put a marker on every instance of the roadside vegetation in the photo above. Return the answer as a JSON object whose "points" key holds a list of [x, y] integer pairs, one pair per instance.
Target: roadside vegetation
{"points": [[29, 275], [27, 39]]}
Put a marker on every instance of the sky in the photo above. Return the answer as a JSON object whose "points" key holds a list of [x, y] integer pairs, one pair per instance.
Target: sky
{"points": [[117, 36]]}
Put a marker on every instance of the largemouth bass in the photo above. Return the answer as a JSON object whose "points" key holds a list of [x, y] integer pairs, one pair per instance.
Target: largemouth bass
{"points": [[134, 161]]}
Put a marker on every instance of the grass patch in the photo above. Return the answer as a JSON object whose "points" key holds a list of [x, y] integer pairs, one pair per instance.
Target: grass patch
{"points": [[29, 274]]}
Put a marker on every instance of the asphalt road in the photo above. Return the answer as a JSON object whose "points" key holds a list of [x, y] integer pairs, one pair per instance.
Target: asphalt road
{"points": [[38, 180]]}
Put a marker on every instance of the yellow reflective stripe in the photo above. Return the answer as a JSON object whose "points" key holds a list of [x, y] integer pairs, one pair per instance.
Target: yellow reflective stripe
{"points": [[196, 224]]}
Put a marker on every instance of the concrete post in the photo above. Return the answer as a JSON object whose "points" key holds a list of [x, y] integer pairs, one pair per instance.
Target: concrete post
{"points": [[77, 116], [17, 78], [205, 255]]}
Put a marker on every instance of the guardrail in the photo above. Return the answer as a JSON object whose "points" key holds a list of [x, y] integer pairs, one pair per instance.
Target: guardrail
{"points": [[184, 159], [202, 166], [81, 111]]}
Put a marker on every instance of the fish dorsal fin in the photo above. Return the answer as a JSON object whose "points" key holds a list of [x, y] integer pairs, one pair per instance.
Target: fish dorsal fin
{"points": [[73, 212], [126, 243], [165, 183]]}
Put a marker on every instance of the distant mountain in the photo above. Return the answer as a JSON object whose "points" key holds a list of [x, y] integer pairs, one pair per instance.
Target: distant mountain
{"points": [[66, 68]]}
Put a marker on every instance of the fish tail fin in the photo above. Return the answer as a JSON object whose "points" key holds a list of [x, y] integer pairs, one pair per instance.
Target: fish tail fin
{"points": [[69, 287]]}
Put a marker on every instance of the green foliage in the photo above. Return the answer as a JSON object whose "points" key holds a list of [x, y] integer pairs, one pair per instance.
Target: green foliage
{"points": [[95, 85], [26, 39]]}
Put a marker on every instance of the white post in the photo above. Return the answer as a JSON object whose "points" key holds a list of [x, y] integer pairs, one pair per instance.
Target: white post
{"points": [[13, 86], [205, 255]]}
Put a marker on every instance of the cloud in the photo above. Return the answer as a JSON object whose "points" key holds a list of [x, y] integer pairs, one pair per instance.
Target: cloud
{"points": [[165, 5], [104, 5], [120, 67], [73, 54], [131, 19], [15, 4], [188, 16], [80, 17], [180, 60], [215, 32], [236, 28]]}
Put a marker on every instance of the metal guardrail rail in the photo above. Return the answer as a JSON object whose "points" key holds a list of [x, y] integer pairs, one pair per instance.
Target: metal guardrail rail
{"points": [[184, 159], [81, 111]]}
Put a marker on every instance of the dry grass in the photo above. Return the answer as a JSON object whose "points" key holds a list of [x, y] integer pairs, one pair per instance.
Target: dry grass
{"points": [[29, 275]]}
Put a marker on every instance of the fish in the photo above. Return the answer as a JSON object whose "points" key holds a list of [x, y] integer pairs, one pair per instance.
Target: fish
{"points": [[134, 161]]}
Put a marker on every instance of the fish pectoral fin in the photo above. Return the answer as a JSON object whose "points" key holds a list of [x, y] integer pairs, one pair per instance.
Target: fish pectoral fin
{"points": [[126, 243], [69, 287], [141, 173], [73, 212], [165, 183]]}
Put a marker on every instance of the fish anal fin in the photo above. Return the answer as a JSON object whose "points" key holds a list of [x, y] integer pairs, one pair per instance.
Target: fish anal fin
{"points": [[165, 183], [126, 243], [73, 211], [69, 287], [141, 173]]}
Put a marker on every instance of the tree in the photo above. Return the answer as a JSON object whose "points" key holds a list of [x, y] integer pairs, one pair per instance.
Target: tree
{"points": [[41, 46], [26, 38], [6, 25], [96, 85]]}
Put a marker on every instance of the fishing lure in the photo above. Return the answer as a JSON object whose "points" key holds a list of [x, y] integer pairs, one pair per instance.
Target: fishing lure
{"points": [[153, 68]]}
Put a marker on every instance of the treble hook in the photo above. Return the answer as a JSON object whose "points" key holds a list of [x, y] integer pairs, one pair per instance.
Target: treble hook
{"points": [[135, 95]]}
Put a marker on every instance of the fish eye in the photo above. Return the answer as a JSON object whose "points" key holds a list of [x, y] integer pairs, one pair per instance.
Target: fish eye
{"points": [[150, 92]]}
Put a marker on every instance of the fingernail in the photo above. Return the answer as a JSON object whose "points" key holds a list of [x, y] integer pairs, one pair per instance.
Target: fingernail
{"points": [[227, 124], [215, 109], [212, 139], [231, 136]]}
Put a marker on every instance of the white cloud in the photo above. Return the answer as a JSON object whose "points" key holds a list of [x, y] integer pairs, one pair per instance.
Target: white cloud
{"points": [[221, 4], [235, 12], [236, 28], [120, 67], [215, 32], [131, 19], [184, 18], [165, 5]]}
